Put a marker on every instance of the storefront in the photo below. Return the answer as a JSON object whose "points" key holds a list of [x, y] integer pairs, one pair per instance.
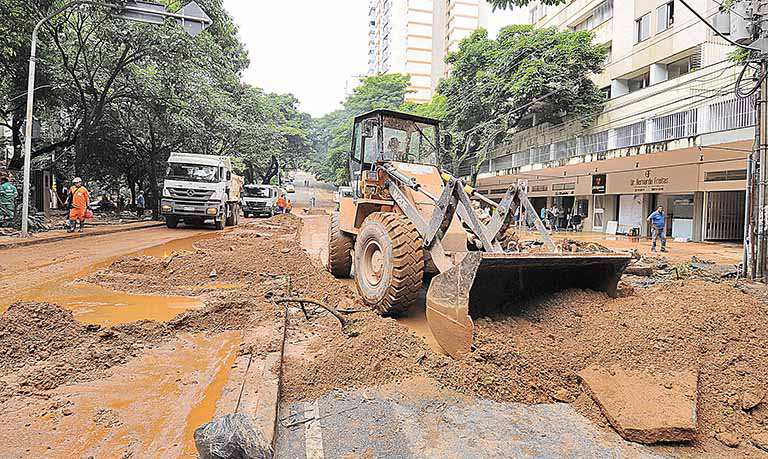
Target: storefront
{"points": [[702, 191]]}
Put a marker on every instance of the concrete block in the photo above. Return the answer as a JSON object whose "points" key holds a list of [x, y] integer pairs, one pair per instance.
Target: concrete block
{"points": [[643, 407]]}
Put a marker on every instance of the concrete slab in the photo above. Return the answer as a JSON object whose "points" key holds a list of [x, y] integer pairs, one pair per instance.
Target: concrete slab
{"points": [[646, 408]]}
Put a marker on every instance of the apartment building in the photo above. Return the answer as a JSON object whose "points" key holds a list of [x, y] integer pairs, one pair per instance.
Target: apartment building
{"points": [[413, 37], [672, 133]]}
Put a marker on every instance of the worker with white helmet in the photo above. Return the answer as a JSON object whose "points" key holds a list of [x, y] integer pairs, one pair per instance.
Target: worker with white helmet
{"points": [[78, 201]]}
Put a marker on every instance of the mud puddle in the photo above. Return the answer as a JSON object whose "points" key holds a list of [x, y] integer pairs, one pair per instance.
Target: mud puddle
{"points": [[98, 305], [415, 320], [150, 409]]}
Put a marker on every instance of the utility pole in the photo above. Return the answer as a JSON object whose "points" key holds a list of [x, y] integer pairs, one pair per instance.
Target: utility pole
{"points": [[192, 18]]}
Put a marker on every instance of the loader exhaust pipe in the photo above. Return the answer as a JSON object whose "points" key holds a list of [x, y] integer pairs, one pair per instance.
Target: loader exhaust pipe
{"points": [[485, 284]]}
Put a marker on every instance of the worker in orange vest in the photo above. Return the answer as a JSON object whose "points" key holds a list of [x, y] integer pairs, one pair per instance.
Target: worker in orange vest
{"points": [[288, 207], [281, 204], [78, 201]]}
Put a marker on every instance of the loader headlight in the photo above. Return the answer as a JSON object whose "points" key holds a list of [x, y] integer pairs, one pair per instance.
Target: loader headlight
{"points": [[212, 211]]}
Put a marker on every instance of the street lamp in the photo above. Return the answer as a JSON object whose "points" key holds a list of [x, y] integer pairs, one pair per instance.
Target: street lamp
{"points": [[192, 18]]}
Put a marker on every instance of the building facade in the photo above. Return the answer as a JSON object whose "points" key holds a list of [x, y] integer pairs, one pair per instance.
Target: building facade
{"points": [[413, 37], [672, 132]]}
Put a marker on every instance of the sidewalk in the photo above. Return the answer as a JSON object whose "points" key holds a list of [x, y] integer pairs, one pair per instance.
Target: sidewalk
{"points": [[10, 242], [721, 253]]}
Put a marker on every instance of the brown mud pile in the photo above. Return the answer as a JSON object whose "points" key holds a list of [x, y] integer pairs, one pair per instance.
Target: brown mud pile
{"points": [[533, 354]]}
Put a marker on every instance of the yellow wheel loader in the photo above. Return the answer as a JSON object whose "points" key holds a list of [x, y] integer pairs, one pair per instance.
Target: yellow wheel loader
{"points": [[406, 219]]}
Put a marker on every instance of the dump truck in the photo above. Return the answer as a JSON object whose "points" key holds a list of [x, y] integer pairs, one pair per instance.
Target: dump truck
{"points": [[260, 200], [407, 219], [200, 188]]}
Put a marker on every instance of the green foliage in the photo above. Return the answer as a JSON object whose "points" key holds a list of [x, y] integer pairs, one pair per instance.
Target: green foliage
{"points": [[437, 108], [332, 134], [122, 95], [525, 75]]}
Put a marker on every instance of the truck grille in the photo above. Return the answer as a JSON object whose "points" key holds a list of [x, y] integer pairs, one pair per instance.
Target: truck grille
{"points": [[190, 193]]}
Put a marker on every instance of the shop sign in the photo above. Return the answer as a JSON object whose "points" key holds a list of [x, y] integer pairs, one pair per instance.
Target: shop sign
{"points": [[598, 184], [647, 182]]}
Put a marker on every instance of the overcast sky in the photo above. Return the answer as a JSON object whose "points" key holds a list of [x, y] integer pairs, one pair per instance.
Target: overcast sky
{"points": [[310, 48]]}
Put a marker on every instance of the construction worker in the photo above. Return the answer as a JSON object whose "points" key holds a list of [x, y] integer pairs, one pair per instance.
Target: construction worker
{"points": [[281, 204], [79, 198], [288, 207], [8, 195], [141, 205]]}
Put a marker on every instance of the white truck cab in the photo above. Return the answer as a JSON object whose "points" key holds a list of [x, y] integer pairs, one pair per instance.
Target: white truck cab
{"points": [[199, 188], [260, 200]]}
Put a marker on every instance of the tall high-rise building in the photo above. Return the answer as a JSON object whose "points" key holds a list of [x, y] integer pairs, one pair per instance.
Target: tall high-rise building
{"points": [[413, 37]]}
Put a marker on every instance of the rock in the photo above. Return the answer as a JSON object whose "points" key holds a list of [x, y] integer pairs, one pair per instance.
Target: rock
{"points": [[285, 250], [66, 412], [750, 400], [213, 274], [760, 441], [728, 438], [640, 269], [641, 408], [562, 395]]}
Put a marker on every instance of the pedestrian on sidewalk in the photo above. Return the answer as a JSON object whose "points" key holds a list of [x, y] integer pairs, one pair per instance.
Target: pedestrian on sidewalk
{"points": [[658, 221], [8, 195], [79, 198], [141, 205]]}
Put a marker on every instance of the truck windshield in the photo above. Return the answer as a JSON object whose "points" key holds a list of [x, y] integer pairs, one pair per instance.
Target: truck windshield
{"points": [[193, 172], [256, 192]]}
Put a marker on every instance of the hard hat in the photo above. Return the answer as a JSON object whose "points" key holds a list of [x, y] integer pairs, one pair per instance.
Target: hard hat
{"points": [[77, 180]]}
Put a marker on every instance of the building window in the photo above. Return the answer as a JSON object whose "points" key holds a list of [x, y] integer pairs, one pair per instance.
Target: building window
{"points": [[666, 16], [594, 143], [631, 135], [640, 82], [566, 149], [732, 114], [599, 15], [681, 67], [540, 154], [675, 126], [642, 28], [725, 176]]}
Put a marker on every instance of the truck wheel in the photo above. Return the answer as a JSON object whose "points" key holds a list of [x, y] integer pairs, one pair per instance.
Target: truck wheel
{"points": [[171, 221], [389, 263], [340, 246], [230, 218]]}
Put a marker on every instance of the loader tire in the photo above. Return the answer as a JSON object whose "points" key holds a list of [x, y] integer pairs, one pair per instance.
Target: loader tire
{"points": [[389, 263], [340, 245]]}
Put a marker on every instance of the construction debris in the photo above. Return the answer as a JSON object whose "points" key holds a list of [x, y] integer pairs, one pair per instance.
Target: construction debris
{"points": [[646, 408]]}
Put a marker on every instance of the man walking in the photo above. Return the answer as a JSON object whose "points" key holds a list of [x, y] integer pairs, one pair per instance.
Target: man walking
{"points": [[141, 205], [658, 221], [79, 198], [8, 195]]}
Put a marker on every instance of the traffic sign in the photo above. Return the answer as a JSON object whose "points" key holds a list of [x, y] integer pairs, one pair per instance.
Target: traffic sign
{"points": [[139, 11], [193, 19]]}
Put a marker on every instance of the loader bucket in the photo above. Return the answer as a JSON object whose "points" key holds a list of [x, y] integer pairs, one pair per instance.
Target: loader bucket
{"points": [[486, 283]]}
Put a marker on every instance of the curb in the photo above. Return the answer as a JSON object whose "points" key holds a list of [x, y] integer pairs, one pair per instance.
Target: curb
{"points": [[29, 242]]}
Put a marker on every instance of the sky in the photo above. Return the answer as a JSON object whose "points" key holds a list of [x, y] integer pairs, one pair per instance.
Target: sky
{"points": [[311, 48]]}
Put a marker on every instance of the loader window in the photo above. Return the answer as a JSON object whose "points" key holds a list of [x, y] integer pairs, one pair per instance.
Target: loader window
{"points": [[370, 144], [408, 141]]}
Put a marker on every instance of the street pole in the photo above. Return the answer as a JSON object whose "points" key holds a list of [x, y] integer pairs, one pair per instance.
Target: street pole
{"points": [[762, 113], [28, 130], [203, 20]]}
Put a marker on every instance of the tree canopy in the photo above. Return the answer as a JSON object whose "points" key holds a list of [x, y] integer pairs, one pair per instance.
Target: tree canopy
{"points": [[508, 4], [524, 76], [116, 97]]}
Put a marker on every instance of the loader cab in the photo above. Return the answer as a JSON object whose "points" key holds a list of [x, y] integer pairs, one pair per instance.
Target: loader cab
{"points": [[386, 135]]}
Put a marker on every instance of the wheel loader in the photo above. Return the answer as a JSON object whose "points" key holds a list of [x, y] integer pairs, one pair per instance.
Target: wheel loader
{"points": [[406, 220]]}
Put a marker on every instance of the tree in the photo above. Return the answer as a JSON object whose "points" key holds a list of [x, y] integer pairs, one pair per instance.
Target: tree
{"points": [[332, 133], [525, 76]]}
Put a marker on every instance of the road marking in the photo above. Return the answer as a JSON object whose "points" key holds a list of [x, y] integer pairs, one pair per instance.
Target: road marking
{"points": [[313, 433]]}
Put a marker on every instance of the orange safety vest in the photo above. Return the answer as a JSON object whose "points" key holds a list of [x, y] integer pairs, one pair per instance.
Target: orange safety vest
{"points": [[79, 198], [281, 202]]}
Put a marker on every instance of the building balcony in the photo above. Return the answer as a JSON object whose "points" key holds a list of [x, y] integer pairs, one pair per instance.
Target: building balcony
{"points": [[697, 110]]}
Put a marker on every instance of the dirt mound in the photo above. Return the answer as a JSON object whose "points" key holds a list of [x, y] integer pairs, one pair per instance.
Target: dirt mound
{"points": [[43, 346], [380, 353]]}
